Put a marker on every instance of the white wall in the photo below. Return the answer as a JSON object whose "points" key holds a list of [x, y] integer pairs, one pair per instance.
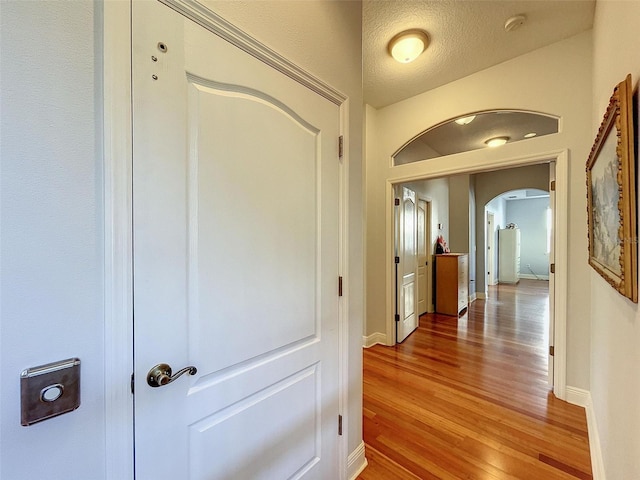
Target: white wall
{"points": [[52, 237], [52, 208], [615, 321], [531, 217], [555, 79]]}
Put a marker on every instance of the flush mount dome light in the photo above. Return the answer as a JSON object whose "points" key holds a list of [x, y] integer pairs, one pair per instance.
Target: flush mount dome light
{"points": [[465, 120], [530, 135], [496, 141], [406, 46]]}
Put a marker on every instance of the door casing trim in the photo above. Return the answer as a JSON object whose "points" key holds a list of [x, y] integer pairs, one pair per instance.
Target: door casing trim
{"points": [[561, 159], [118, 240]]}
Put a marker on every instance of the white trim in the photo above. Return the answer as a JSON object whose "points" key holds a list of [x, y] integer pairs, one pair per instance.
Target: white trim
{"points": [[578, 396], [343, 304], [118, 276], [472, 298], [582, 398], [374, 339], [357, 462], [597, 462], [561, 254], [562, 181], [481, 295], [210, 20], [529, 276]]}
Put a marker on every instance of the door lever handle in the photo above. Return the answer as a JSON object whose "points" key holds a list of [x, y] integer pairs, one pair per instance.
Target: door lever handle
{"points": [[161, 374]]}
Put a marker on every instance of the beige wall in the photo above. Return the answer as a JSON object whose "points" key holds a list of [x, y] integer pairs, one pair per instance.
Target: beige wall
{"points": [[556, 80], [615, 321], [459, 191]]}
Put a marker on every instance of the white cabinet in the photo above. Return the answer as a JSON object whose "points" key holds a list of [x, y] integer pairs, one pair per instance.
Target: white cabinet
{"points": [[509, 255]]}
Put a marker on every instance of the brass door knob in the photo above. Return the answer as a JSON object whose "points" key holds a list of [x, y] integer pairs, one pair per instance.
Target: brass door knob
{"points": [[161, 374]]}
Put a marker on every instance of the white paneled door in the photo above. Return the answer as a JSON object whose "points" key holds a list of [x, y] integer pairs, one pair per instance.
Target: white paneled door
{"points": [[407, 285], [236, 249], [423, 235]]}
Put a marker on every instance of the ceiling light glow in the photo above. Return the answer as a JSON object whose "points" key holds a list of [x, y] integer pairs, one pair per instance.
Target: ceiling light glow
{"points": [[465, 120], [408, 45], [496, 142]]}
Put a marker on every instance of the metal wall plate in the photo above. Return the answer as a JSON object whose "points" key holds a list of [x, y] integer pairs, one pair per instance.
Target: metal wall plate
{"points": [[49, 390]]}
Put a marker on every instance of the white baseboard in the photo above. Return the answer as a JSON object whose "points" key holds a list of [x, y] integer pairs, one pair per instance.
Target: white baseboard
{"points": [[578, 396], [374, 339], [530, 276], [356, 462], [473, 297], [481, 295], [597, 464]]}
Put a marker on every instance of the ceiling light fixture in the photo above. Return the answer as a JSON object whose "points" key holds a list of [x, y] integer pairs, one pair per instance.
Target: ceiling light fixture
{"points": [[406, 46], [465, 120], [496, 141], [530, 135]]}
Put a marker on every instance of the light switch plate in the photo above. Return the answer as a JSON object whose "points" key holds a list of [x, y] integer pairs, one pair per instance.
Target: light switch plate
{"points": [[49, 390]]}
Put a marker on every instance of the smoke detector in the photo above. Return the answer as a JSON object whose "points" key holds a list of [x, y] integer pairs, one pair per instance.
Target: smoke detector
{"points": [[514, 22]]}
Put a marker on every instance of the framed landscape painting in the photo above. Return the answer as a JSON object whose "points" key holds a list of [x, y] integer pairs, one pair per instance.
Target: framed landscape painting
{"points": [[611, 195]]}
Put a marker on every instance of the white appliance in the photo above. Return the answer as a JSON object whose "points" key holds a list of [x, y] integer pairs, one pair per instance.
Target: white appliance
{"points": [[509, 255]]}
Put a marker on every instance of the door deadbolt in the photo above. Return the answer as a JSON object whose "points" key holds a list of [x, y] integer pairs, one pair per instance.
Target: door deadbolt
{"points": [[161, 374]]}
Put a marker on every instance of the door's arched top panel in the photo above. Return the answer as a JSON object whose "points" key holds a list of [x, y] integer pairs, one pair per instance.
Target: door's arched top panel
{"points": [[242, 92], [473, 131]]}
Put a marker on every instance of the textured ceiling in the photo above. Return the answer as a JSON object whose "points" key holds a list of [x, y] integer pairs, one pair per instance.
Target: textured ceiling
{"points": [[466, 36]]}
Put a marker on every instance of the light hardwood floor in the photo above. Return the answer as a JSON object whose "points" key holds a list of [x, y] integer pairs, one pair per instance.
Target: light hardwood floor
{"points": [[467, 398]]}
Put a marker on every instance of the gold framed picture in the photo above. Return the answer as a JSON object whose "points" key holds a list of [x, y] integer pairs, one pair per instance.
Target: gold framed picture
{"points": [[611, 195]]}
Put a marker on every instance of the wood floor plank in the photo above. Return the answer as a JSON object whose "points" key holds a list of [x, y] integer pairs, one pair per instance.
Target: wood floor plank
{"points": [[468, 398]]}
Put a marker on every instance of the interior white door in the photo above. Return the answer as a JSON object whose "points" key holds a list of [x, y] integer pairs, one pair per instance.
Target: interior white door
{"points": [[407, 267], [423, 259], [236, 245]]}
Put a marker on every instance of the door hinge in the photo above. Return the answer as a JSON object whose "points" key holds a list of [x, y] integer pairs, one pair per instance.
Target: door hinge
{"points": [[552, 267], [396, 202], [553, 185], [397, 317], [339, 424], [340, 146], [339, 286], [551, 350], [132, 383], [397, 260]]}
